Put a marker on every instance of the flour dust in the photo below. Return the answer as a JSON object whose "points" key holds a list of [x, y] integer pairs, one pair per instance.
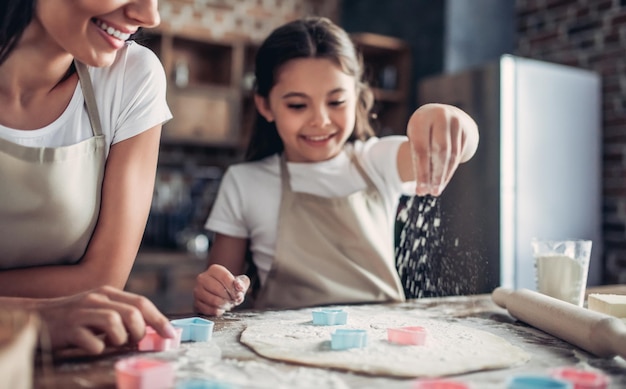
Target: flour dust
{"points": [[430, 263]]}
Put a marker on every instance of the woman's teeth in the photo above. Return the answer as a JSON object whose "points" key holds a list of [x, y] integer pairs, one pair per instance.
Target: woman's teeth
{"points": [[112, 31]]}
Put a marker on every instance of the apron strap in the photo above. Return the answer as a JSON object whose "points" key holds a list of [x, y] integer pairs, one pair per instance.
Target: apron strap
{"points": [[90, 98], [286, 182], [366, 177]]}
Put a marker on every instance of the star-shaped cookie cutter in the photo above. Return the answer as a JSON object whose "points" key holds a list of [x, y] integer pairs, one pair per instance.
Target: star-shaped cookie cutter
{"points": [[195, 329], [344, 338], [329, 316]]}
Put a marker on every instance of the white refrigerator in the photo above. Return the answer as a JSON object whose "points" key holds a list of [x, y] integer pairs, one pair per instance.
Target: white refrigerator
{"points": [[537, 171]]}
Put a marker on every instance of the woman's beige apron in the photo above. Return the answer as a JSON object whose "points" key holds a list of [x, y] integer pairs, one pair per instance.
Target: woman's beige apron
{"points": [[331, 250], [50, 197]]}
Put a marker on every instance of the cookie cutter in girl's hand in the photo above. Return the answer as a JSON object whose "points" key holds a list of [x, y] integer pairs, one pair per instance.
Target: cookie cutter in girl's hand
{"points": [[343, 339], [155, 342], [144, 373], [329, 317], [195, 329], [407, 335]]}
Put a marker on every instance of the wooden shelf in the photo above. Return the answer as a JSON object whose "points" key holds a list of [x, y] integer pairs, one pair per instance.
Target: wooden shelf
{"points": [[208, 82], [387, 63]]}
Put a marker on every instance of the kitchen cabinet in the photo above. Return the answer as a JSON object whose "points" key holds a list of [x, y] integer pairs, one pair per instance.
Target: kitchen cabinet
{"points": [[207, 89], [387, 64], [210, 84]]}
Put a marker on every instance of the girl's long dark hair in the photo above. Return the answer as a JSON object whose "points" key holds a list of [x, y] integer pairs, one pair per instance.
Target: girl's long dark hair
{"points": [[15, 15], [312, 37]]}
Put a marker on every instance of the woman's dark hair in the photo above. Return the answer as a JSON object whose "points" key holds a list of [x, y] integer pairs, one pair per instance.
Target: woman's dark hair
{"points": [[312, 37], [15, 15]]}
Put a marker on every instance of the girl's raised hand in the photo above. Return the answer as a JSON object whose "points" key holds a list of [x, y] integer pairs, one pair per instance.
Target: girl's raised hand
{"points": [[217, 290], [441, 137]]}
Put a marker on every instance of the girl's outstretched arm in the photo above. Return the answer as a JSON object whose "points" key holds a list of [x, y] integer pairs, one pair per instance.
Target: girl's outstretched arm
{"points": [[440, 138], [222, 286]]}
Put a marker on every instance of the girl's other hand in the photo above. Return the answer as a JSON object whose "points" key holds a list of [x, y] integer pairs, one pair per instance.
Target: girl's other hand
{"points": [[217, 290], [441, 137], [81, 320]]}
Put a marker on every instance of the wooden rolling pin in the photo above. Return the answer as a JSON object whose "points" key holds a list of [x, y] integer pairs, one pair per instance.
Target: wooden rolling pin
{"points": [[597, 333]]}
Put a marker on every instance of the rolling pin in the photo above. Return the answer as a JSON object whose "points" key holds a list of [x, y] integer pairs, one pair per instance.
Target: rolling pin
{"points": [[594, 332]]}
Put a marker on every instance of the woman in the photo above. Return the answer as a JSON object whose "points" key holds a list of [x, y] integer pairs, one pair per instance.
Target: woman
{"points": [[81, 110]]}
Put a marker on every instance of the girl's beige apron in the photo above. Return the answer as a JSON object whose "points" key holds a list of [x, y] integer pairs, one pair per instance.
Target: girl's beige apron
{"points": [[331, 250], [50, 197]]}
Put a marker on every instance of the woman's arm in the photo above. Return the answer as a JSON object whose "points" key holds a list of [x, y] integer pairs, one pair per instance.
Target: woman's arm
{"points": [[126, 197], [222, 286], [440, 138]]}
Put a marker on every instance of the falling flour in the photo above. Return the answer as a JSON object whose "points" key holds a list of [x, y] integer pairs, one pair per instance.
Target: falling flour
{"points": [[429, 263]]}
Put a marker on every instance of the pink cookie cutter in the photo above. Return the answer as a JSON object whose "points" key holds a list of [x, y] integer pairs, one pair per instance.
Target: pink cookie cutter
{"points": [[407, 335], [144, 373], [581, 379], [439, 384], [154, 342]]}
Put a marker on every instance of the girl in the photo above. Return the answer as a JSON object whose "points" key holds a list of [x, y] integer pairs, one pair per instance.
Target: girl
{"points": [[81, 110], [317, 196]]}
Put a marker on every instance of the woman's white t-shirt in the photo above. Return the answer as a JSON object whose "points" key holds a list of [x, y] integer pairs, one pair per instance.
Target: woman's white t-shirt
{"points": [[248, 202], [130, 96]]}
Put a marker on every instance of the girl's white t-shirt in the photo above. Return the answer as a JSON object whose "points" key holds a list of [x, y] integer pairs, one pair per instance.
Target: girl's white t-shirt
{"points": [[130, 96], [248, 202]]}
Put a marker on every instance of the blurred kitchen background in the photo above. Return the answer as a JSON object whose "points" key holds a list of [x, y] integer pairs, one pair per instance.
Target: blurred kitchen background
{"points": [[560, 62]]}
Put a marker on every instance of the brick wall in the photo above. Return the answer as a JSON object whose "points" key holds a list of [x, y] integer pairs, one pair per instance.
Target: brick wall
{"points": [[240, 19], [590, 34]]}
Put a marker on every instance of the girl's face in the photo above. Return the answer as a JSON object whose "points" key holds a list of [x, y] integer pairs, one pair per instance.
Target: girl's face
{"points": [[313, 104], [93, 30]]}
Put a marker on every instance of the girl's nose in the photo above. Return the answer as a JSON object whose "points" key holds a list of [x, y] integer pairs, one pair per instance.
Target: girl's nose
{"points": [[145, 12], [320, 118]]}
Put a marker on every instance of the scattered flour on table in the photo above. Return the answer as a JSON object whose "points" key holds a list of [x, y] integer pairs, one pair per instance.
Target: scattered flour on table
{"points": [[204, 361], [449, 349]]}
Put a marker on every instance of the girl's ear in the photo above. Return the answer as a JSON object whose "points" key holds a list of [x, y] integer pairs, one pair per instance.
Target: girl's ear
{"points": [[263, 106]]}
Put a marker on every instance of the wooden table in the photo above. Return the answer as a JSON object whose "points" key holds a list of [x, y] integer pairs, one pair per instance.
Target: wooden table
{"points": [[225, 359]]}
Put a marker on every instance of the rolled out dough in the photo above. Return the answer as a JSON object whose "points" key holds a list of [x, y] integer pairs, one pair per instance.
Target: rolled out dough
{"points": [[450, 348]]}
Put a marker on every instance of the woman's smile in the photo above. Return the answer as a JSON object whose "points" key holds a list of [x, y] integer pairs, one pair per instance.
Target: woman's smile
{"points": [[112, 31]]}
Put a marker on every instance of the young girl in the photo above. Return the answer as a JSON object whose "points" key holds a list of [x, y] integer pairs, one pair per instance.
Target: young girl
{"points": [[81, 111], [316, 200]]}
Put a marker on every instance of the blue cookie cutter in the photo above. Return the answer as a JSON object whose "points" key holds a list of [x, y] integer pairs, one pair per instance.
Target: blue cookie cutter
{"points": [[195, 329], [329, 317], [343, 339], [537, 382]]}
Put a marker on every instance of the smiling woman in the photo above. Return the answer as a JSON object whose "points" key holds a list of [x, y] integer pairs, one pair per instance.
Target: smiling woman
{"points": [[81, 110]]}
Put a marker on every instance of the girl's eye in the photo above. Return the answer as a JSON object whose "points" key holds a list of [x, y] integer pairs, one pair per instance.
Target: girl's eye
{"points": [[337, 103], [296, 106]]}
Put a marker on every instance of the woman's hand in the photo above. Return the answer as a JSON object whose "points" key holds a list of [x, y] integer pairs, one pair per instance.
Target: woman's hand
{"points": [[217, 290], [81, 320], [440, 138]]}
